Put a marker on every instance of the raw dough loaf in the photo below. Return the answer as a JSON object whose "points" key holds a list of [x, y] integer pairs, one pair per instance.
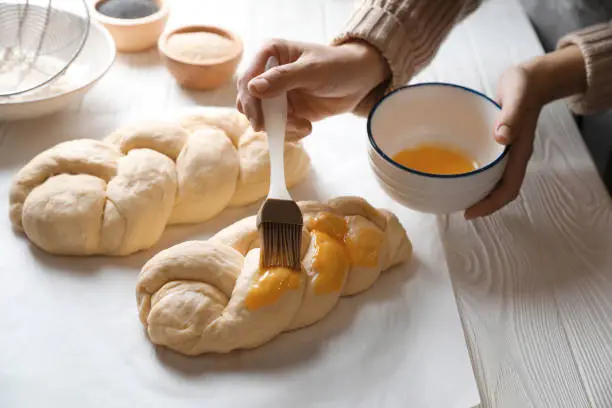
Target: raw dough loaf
{"points": [[115, 197], [194, 297]]}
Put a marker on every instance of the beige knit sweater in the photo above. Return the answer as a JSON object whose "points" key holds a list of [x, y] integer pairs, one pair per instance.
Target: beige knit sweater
{"points": [[409, 32]]}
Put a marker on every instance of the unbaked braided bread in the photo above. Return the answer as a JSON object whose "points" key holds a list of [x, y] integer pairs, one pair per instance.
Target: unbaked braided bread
{"points": [[211, 297], [115, 197]]}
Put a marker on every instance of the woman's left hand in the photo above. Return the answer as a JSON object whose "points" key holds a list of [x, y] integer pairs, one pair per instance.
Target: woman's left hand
{"points": [[521, 106], [522, 92]]}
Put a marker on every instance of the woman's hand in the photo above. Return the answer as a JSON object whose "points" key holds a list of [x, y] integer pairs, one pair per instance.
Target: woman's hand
{"points": [[521, 108], [320, 81], [522, 92]]}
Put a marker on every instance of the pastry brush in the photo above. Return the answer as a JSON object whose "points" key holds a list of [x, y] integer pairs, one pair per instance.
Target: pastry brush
{"points": [[279, 219]]}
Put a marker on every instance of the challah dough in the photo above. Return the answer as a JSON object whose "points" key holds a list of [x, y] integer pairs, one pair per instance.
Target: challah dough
{"points": [[211, 297], [115, 197]]}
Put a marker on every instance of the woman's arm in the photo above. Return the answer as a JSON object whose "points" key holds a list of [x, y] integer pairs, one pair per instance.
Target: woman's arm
{"points": [[407, 33], [595, 45], [557, 75], [580, 68]]}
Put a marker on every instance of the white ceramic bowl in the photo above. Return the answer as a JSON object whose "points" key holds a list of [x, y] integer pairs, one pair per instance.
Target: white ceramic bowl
{"points": [[442, 114], [96, 58]]}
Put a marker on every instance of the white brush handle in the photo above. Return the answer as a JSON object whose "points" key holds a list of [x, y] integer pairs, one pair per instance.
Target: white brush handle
{"points": [[275, 119]]}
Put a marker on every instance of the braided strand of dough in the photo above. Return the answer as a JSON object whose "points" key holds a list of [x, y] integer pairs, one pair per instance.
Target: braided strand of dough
{"points": [[195, 297], [116, 197]]}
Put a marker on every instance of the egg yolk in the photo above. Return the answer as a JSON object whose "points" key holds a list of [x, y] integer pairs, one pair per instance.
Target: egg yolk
{"points": [[269, 285], [364, 247], [336, 248], [330, 263], [435, 159], [331, 224]]}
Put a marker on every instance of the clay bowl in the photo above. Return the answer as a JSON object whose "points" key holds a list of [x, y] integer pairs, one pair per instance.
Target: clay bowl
{"points": [[138, 34], [201, 74]]}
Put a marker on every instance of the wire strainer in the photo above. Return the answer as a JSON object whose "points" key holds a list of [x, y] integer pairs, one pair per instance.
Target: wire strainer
{"points": [[39, 40]]}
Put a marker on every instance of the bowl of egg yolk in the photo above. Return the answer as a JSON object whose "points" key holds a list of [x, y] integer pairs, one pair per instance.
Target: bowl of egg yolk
{"points": [[432, 147]]}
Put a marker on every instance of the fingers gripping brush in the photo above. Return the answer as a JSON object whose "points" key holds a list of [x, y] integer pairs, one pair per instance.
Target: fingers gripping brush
{"points": [[279, 219]]}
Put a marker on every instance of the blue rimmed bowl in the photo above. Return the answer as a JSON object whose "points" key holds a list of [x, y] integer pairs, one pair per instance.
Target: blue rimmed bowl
{"points": [[443, 114]]}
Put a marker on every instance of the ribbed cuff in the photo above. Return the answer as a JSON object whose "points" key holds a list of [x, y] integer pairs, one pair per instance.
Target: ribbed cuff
{"points": [[595, 43], [407, 34], [385, 32]]}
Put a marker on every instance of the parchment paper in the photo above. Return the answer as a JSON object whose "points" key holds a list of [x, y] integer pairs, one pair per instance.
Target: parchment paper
{"points": [[69, 331], [70, 336]]}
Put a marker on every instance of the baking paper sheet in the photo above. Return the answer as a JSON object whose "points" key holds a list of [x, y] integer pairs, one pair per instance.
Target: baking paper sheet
{"points": [[69, 331], [70, 335]]}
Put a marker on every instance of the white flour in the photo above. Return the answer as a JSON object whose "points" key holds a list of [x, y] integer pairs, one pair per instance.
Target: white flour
{"points": [[13, 67]]}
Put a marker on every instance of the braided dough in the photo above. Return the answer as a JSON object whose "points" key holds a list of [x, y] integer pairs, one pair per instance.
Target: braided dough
{"points": [[115, 197], [210, 296]]}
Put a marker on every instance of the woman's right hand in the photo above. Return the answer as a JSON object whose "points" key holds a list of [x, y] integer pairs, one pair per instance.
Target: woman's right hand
{"points": [[320, 81]]}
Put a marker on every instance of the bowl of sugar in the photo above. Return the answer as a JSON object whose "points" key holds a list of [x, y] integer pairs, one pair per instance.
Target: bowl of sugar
{"points": [[431, 146], [201, 57]]}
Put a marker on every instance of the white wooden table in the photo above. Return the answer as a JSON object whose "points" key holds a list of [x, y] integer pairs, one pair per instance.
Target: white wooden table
{"points": [[534, 282]]}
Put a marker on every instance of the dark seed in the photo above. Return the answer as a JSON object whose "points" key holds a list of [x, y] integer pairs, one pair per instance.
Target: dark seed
{"points": [[127, 9]]}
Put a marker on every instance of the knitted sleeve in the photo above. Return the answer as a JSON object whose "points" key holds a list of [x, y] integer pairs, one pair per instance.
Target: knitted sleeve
{"points": [[406, 32], [595, 42]]}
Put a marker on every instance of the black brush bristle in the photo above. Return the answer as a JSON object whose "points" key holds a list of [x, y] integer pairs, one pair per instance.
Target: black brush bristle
{"points": [[280, 245]]}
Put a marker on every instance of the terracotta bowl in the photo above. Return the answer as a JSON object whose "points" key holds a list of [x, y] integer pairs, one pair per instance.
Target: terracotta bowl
{"points": [[203, 74], [134, 35]]}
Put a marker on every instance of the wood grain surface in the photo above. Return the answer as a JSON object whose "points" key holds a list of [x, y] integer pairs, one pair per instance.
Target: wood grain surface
{"points": [[533, 282]]}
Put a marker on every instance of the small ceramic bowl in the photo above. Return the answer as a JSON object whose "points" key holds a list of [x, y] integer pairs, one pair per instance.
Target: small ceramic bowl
{"points": [[202, 74], [138, 34], [446, 115]]}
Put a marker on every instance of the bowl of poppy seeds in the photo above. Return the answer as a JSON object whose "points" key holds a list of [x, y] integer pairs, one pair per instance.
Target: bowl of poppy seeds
{"points": [[135, 25]]}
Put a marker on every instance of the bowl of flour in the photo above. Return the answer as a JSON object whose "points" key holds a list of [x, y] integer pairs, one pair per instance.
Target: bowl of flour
{"points": [[93, 63]]}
